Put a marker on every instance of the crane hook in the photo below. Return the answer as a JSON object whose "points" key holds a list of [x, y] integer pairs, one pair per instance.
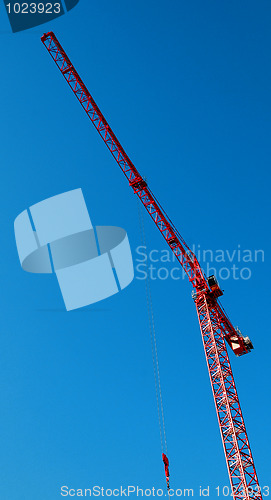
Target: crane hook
{"points": [[166, 464]]}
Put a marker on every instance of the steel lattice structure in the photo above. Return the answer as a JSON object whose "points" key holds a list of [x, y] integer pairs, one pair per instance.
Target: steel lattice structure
{"points": [[214, 323], [238, 454]]}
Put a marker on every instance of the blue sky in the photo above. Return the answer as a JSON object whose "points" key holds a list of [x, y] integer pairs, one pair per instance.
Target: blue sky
{"points": [[186, 88]]}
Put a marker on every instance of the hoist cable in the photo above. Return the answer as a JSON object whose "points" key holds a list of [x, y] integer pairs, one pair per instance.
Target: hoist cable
{"points": [[156, 370]]}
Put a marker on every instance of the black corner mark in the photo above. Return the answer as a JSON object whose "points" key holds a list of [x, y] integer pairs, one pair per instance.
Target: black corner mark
{"points": [[24, 15], [71, 3]]}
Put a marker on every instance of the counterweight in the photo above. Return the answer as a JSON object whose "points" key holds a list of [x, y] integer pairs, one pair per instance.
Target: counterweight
{"points": [[214, 323]]}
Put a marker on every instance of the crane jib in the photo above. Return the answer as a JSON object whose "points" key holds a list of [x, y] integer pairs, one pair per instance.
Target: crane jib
{"points": [[177, 244]]}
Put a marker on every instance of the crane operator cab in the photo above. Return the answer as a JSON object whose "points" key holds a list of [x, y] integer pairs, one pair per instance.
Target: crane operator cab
{"points": [[214, 286], [247, 342]]}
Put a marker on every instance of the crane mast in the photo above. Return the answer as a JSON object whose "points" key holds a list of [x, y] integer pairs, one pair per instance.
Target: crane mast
{"points": [[214, 323]]}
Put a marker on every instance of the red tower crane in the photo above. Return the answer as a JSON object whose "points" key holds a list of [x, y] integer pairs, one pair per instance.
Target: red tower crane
{"points": [[214, 323]]}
